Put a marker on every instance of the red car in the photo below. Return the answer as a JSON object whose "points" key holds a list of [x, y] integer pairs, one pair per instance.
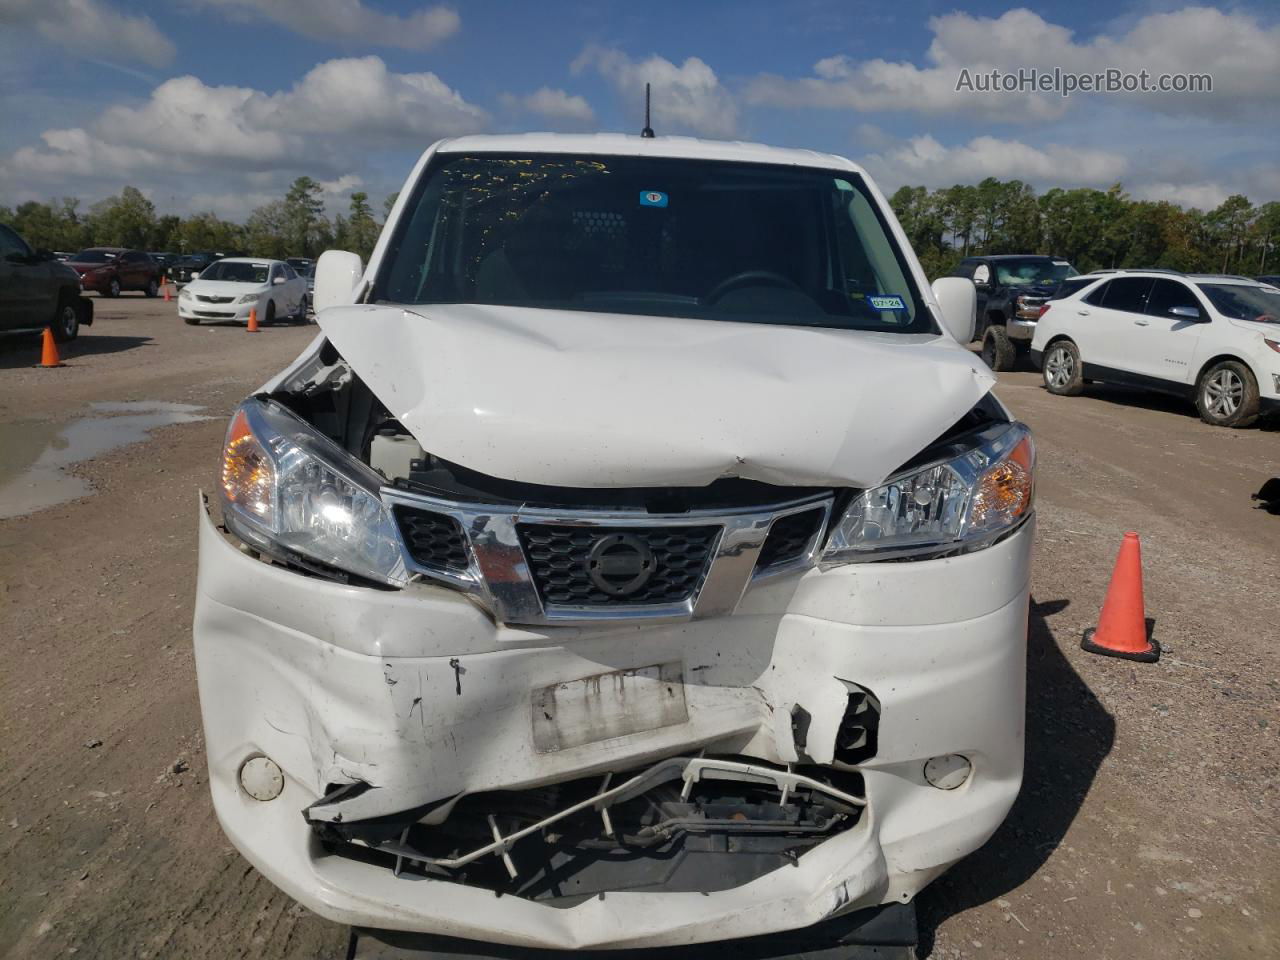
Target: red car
{"points": [[110, 270]]}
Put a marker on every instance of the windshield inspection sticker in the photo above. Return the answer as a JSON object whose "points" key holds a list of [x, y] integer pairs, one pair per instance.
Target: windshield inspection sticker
{"points": [[886, 303], [653, 198]]}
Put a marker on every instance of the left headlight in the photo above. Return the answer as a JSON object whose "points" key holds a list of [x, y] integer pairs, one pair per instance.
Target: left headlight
{"points": [[962, 502], [184, 294], [294, 494], [250, 298]]}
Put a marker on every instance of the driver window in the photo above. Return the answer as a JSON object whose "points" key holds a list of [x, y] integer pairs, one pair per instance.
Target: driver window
{"points": [[982, 274], [12, 245]]}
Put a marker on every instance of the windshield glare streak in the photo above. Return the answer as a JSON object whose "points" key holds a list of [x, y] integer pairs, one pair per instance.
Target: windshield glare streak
{"points": [[654, 236], [237, 272]]}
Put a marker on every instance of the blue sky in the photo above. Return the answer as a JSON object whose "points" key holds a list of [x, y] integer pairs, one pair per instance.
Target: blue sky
{"points": [[218, 104]]}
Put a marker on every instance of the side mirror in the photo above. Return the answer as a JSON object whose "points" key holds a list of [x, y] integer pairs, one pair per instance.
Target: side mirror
{"points": [[959, 302], [278, 280], [1188, 313], [338, 273]]}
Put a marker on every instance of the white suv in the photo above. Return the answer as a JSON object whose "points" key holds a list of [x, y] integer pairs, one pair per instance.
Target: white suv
{"points": [[1214, 339], [638, 541]]}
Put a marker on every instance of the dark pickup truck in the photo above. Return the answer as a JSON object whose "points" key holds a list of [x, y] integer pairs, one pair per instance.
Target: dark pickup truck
{"points": [[37, 291], [1011, 290]]}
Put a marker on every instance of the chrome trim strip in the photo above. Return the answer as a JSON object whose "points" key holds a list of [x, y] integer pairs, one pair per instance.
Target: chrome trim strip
{"points": [[500, 580]]}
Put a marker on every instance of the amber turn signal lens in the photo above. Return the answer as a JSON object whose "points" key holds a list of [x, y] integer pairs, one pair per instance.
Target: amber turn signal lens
{"points": [[248, 476], [1004, 490]]}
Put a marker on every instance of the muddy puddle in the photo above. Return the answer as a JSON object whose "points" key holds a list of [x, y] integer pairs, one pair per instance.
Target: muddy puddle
{"points": [[35, 455]]}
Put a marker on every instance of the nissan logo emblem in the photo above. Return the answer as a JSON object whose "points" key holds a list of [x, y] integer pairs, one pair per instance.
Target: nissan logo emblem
{"points": [[620, 564]]}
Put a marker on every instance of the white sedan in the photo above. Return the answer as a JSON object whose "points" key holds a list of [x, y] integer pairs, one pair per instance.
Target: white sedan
{"points": [[229, 289]]}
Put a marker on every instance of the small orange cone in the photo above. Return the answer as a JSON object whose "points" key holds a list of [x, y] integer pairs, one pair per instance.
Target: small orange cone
{"points": [[253, 320], [164, 285], [1122, 627], [49, 350]]}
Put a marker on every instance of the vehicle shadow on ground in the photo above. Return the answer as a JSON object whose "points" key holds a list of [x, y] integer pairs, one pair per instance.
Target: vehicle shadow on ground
{"points": [[24, 351], [1069, 733], [1160, 402]]}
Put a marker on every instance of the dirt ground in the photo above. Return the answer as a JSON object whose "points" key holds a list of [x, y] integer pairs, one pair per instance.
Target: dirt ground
{"points": [[1146, 827]]}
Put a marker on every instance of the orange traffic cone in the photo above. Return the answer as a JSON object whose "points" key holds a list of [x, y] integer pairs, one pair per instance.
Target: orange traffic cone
{"points": [[164, 285], [49, 350], [1122, 627], [253, 320]]}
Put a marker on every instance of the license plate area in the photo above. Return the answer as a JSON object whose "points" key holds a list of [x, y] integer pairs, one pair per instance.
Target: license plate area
{"points": [[607, 706]]}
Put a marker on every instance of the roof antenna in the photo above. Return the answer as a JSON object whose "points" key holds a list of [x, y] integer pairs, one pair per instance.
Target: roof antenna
{"points": [[647, 132]]}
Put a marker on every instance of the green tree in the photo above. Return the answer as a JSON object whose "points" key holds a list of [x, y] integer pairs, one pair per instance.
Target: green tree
{"points": [[388, 203], [206, 231], [304, 223], [128, 220], [267, 231], [362, 229]]}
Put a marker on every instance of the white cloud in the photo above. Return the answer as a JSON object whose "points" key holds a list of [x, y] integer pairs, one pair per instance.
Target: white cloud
{"points": [[91, 28], [339, 110], [343, 184], [1204, 196], [686, 98], [554, 105], [923, 160], [1239, 53], [349, 21]]}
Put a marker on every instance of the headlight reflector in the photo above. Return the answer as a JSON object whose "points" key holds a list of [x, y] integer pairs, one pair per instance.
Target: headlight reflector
{"points": [[292, 493], [963, 502]]}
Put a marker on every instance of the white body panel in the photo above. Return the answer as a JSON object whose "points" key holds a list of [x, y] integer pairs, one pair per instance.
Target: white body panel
{"points": [[1172, 349], [302, 671]]}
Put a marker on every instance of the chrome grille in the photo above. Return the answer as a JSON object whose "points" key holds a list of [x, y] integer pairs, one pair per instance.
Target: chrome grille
{"points": [[562, 563], [532, 565]]}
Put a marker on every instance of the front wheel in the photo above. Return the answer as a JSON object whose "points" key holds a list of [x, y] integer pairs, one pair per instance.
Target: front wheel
{"points": [[113, 290], [269, 316], [998, 351], [301, 315], [66, 323], [191, 321], [153, 288], [1063, 371], [1227, 395]]}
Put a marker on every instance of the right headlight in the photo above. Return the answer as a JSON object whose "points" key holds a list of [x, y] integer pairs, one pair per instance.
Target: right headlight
{"points": [[964, 501], [296, 496], [250, 298]]}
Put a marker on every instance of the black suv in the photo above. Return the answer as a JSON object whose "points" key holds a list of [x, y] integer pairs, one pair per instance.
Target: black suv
{"points": [[37, 291], [1012, 287]]}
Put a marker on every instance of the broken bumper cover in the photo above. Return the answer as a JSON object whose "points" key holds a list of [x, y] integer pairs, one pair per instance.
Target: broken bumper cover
{"points": [[419, 695]]}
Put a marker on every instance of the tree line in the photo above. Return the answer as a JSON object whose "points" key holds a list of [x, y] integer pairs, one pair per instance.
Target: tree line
{"points": [[293, 226], [1091, 228]]}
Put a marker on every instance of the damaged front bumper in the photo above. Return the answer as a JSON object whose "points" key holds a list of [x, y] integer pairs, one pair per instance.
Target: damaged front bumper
{"points": [[619, 785]]}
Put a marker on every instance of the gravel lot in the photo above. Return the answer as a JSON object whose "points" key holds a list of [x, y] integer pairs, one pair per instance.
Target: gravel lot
{"points": [[1146, 828]]}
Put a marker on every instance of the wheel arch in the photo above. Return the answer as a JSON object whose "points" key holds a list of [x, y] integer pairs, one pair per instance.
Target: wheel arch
{"points": [[1209, 364]]}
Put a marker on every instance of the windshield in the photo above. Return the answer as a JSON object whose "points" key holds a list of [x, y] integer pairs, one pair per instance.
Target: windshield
{"points": [[1261, 304], [93, 256], [1021, 273], [672, 237], [237, 272]]}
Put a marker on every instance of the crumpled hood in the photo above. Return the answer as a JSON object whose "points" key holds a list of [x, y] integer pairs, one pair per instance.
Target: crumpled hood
{"points": [[579, 399]]}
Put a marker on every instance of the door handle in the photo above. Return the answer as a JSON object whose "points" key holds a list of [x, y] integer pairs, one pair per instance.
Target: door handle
{"points": [[1082, 313], [1142, 323]]}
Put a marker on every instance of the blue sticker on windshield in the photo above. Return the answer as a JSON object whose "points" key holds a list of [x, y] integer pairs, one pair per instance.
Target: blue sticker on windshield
{"points": [[886, 303], [653, 198]]}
